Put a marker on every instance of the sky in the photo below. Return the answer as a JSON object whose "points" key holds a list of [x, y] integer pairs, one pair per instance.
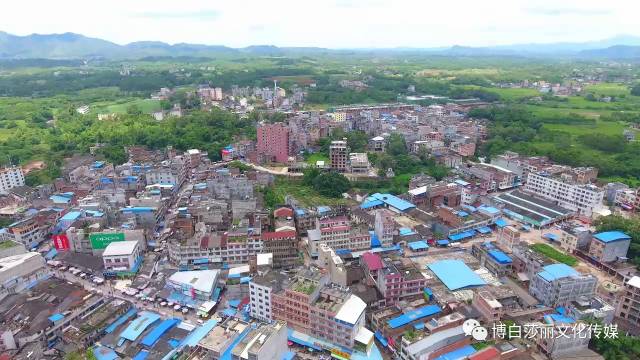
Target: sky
{"points": [[327, 23]]}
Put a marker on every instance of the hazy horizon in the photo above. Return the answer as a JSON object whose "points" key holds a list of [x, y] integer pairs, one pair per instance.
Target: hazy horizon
{"points": [[335, 24]]}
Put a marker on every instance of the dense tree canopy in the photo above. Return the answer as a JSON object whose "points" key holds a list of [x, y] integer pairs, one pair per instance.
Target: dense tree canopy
{"points": [[331, 184]]}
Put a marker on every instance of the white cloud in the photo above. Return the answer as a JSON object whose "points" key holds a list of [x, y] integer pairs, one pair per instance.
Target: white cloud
{"points": [[327, 23]]}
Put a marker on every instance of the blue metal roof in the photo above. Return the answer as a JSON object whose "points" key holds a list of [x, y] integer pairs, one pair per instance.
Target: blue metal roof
{"points": [[71, 216], [442, 242], [458, 354], [121, 320], [323, 209], [418, 245], [289, 355], [229, 312], [160, 330], [56, 317], [462, 213], [199, 333], [141, 355], [371, 204], [455, 274], [393, 201], [419, 313], [462, 235], [501, 222], [611, 236], [405, 231], [557, 271], [484, 230], [550, 236], [500, 257], [59, 199], [489, 209], [139, 325]]}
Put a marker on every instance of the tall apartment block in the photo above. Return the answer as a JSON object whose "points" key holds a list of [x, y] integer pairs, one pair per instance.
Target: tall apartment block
{"points": [[339, 155], [273, 142]]}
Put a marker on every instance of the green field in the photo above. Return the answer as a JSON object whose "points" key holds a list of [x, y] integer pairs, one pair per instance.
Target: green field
{"points": [[313, 158], [554, 254], [306, 195], [147, 106], [608, 89], [599, 126]]}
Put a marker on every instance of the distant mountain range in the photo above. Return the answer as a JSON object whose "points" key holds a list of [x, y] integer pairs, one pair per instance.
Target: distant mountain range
{"points": [[76, 46]]}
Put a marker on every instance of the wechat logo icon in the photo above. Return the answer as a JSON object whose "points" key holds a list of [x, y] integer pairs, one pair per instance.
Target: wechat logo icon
{"points": [[472, 327]]}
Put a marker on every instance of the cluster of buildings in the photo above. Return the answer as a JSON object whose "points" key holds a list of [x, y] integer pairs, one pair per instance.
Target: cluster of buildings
{"points": [[171, 255]]}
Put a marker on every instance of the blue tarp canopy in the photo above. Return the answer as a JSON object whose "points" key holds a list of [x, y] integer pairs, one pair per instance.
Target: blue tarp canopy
{"points": [[234, 303], [442, 242], [455, 274], [500, 257], [462, 235], [462, 213], [200, 261], [245, 280], [549, 236], [418, 245], [417, 314], [418, 326], [289, 355], [484, 230], [501, 222]]}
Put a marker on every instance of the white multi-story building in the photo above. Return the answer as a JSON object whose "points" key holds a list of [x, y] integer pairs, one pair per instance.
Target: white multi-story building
{"points": [[260, 289], [560, 284], [121, 256], [10, 177], [582, 198]]}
